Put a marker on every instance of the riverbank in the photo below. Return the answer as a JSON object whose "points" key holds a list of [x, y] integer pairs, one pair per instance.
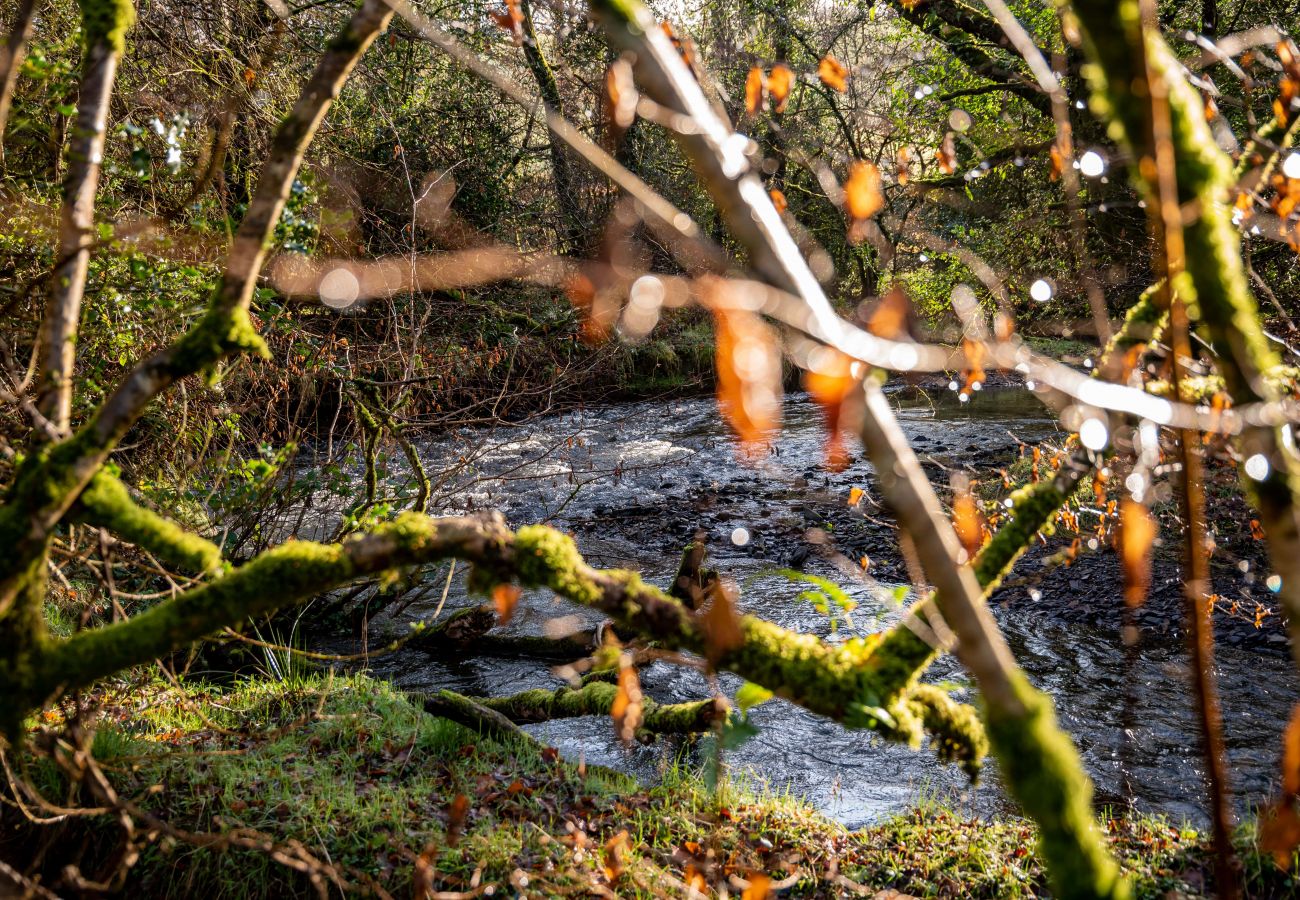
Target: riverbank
{"points": [[260, 789]]}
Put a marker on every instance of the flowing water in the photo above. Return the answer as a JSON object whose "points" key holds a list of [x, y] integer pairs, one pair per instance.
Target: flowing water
{"points": [[633, 484]]}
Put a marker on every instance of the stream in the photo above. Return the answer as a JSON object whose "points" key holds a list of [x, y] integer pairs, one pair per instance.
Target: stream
{"points": [[633, 483]]}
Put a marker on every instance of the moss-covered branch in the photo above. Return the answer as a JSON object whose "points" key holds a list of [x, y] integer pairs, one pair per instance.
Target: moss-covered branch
{"points": [[49, 481], [597, 699], [834, 680], [1214, 282], [106, 503]]}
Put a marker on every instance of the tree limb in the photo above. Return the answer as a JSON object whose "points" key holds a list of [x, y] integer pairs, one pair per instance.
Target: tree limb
{"points": [[12, 53]]}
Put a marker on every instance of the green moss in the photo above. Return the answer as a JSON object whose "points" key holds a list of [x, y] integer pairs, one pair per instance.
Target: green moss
{"points": [[106, 21], [1043, 771], [547, 558], [106, 503], [597, 699], [1144, 323], [280, 576], [213, 337], [955, 728]]}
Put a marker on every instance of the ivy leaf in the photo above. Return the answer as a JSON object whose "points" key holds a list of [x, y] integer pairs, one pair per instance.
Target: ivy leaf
{"points": [[751, 695], [736, 730]]}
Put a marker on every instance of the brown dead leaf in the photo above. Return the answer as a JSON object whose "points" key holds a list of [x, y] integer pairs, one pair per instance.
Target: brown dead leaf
{"points": [[720, 623], [779, 83], [833, 73], [505, 597], [754, 91], [862, 196], [1137, 532], [614, 853], [778, 200], [456, 815]]}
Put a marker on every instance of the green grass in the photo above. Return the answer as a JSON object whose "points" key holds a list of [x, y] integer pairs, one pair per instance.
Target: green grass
{"points": [[348, 773]]}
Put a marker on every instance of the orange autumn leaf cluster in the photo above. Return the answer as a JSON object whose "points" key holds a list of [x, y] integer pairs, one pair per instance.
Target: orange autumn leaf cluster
{"points": [[776, 84]]}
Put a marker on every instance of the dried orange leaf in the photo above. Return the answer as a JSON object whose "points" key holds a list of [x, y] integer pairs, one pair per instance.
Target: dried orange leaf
{"points": [[615, 849], [505, 597], [948, 154], [892, 315], [862, 197], [967, 520], [749, 376], [903, 161], [628, 703], [778, 200], [833, 74], [1291, 755], [1137, 532], [779, 83], [855, 496], [1279, 832], [975, 353], [511, 20], [829, 381], [620, 95], [753, 90], [720, 623], [759, 887]]}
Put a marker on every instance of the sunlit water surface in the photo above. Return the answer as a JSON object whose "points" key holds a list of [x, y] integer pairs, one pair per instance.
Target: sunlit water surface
{"points": [[627, 482]]}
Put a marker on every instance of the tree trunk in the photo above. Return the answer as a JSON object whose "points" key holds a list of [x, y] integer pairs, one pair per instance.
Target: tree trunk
{"points": [[573, 230], [12, 54], [104, 23]]}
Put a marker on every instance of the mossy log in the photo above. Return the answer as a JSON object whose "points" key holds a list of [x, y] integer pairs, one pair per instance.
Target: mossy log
{"points": [[597, 699], [474, 716]]}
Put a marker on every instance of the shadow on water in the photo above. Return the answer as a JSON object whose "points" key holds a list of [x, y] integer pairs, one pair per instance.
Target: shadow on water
{"points": [[634, 483]]}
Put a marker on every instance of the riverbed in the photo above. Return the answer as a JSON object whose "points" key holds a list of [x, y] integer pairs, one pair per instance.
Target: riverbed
{"points": [[634, 483]]}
